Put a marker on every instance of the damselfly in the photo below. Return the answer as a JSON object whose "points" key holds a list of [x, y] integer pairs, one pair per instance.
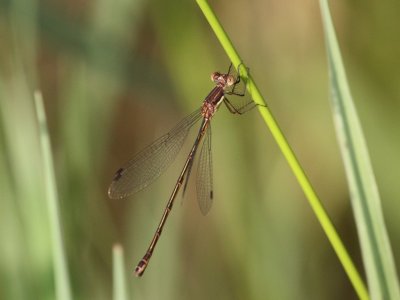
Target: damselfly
{"points": [[147, 165]]}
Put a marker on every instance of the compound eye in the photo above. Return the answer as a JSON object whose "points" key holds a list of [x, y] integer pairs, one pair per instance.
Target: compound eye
{"points": [[230, 80], [215, 76]]}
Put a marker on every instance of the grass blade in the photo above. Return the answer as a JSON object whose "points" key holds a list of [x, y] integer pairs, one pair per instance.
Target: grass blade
{"points": [[294, 164], [63, 290], [119, 283], [376, 251]]}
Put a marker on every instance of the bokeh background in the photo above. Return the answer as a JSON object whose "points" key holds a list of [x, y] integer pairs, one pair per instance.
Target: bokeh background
{"points": [[117, 74]]}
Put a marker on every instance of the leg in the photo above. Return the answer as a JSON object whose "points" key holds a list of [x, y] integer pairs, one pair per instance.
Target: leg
{"points": [[230, 68], [232, 92], [239, 110], [243, 107], [230, 107]]}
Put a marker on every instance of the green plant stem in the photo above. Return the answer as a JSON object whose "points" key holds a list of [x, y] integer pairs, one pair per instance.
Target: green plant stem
{"points": [[288, 153]]}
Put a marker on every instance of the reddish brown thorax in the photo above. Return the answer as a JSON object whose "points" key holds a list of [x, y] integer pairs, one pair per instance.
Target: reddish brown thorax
{"points": [[215, 97]]}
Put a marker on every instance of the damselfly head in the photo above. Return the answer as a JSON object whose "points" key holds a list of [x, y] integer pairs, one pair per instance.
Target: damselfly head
{"points": [[223, 80]]}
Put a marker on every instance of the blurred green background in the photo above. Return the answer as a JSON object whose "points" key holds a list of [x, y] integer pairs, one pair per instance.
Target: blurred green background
{"points": [[117, 74]]}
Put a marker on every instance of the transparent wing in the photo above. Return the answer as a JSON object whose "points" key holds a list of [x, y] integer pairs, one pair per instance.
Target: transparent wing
{"points": [[146, 166], [204, 181]]}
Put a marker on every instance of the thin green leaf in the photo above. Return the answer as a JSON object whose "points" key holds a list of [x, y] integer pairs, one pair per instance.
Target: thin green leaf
{"points": [[376, 251], [120, 292], [63, 290]]}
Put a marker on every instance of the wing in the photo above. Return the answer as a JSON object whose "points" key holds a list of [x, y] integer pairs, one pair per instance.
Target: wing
{"points": [[146, 166], [204, 180]]}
